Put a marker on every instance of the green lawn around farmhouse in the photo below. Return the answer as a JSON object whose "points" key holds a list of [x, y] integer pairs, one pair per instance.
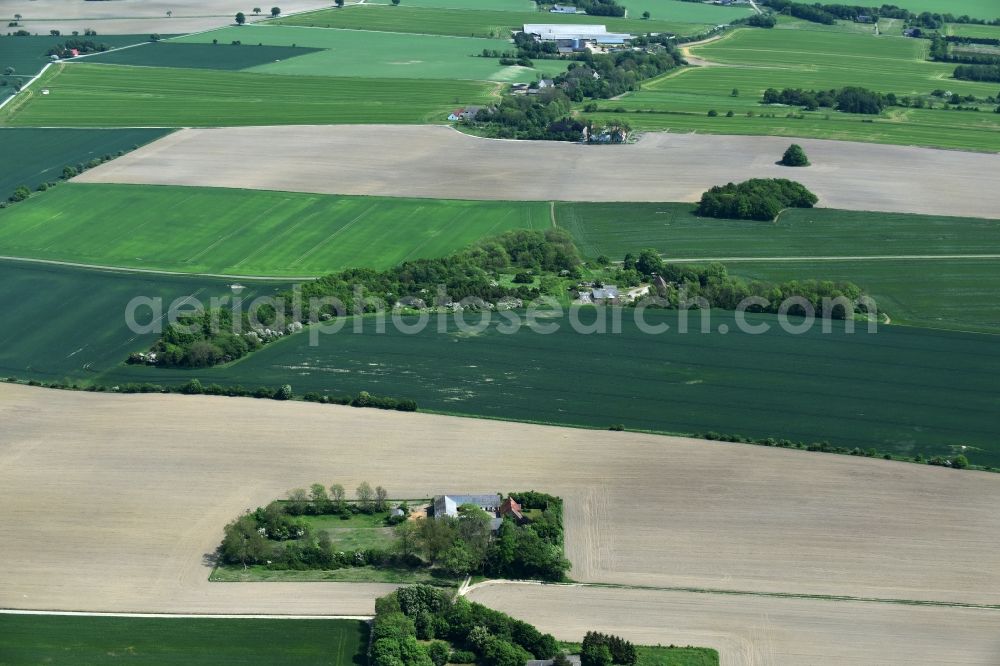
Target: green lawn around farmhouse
{"points": [[354, 53], [33, 156], [810, 58], [240, 232], [72, 640], [85, 95], [472, 22]]}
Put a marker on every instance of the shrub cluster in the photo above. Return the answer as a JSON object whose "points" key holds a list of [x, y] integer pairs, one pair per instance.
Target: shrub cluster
{"points": [[754, 199], [851, 99], [459, 631]]}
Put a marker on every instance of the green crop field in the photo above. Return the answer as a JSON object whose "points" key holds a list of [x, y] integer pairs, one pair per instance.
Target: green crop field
{"points": [[238, 232], [67, 639], [754, 60], [109, 95], [969, 30], [672, 228], [494, 5], [34, 156], [68, 323], [901, 389], [382, 54], [984, 9], [688, 12], [947, 294], [224, 55], [959, 293], [27, 55], [469, 22]]}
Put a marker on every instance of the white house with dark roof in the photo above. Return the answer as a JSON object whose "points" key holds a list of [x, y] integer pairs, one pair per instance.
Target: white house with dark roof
{"points": [[447, 505]]}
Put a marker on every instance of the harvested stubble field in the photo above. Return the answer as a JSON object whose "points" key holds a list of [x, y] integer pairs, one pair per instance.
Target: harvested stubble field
{"points": [[85, 95], [815, 58], [141, 16], [119, 536], [238, 232], [756, 631], [367, 54], [660, 167]]}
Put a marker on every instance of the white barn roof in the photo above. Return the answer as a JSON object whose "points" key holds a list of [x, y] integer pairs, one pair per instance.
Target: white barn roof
{"points": [[564, 30]]}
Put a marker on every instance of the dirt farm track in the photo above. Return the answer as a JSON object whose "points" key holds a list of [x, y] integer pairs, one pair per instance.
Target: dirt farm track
{"points": [[439, 162], [112, 502]]}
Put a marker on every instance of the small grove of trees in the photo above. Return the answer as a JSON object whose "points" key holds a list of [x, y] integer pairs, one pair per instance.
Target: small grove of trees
{"points": [[421, 626], [754, 199], [604, 650], [795, 156], [851, 99]]}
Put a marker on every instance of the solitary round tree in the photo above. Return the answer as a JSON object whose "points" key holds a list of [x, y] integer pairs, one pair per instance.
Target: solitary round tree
{"points": [[240, 18], [275, 11], [795, 156]]}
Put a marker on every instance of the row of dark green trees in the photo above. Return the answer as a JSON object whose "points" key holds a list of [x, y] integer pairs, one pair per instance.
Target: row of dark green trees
{"points": [[424, 626]]}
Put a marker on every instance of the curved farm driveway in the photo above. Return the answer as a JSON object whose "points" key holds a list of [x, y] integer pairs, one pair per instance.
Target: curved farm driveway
{"points": [[111, 502], [439, 162]]}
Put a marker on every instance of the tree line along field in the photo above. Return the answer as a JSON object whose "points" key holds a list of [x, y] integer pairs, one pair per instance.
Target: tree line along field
{"points": [[242, 232], [68, 639], [471, 22], [85, 95], [904, 390], [367, 54], [226, 56], [752, 60], [34, 156]]}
